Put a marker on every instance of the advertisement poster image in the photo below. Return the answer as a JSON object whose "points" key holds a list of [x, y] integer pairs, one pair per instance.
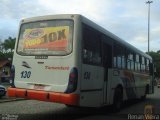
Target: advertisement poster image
{"points": [[49, 38]]}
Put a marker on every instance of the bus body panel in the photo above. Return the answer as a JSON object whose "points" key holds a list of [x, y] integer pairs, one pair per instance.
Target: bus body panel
{"points": [[133, 83], [47, 72], [92, 85], [92, 77], [50, 74], [91, 99]]}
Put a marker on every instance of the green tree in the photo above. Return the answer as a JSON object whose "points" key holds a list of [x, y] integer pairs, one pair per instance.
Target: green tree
{"points": [[158, 51], [8, 44], [1, 46], [156, 60], [7, 48]]}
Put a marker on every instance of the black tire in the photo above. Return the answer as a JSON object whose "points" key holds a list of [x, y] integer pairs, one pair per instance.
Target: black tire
{"points": [[118, 99], [143, 98], [71, 106]]}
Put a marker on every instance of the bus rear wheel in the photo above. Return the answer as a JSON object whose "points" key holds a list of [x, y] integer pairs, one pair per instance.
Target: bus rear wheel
{"points": [[143, 98], [118, 99]]}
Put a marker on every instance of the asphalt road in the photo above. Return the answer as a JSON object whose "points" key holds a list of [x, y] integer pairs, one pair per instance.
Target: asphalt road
{"points": [[38, 110]]}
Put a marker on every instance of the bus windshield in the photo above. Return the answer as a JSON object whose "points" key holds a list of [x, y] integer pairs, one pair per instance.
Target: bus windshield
{"points": [[52, 37]]}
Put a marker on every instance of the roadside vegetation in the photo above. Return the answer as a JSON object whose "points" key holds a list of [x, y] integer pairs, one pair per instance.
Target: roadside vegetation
{"points": [[7, 48], [156, 61]]}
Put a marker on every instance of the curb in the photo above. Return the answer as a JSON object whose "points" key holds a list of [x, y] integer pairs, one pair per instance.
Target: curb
{"points": [[11, 99]]}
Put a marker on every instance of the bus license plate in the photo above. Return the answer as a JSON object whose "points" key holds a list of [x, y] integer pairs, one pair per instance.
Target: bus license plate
{"points": [[39, 87]]}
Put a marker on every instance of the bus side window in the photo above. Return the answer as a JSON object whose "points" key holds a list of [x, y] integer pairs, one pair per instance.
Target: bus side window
{"points": [[119, 56], [87, 56], [130, 60], [91, 46], [137, 63], [147, 65], [142, 64]]}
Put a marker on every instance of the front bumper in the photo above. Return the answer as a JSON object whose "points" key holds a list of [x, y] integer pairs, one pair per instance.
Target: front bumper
{"points": [[70, 99]]}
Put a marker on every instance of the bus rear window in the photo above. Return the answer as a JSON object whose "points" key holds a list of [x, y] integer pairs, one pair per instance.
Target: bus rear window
{"points": [[46, 38]]}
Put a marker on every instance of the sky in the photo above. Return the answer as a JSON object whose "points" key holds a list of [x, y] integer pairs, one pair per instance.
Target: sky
{"points": [[127, 19]]}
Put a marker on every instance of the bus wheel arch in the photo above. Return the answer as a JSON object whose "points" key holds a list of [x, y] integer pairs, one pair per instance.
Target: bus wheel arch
{"points": [[118, 98], [146, 92]]}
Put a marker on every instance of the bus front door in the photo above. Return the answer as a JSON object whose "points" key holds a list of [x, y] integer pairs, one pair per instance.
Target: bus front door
{"points": [[107, 63]]}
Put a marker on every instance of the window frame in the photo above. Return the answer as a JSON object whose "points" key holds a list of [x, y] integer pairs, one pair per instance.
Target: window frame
{"points": [[71, 40], [98, 36]]}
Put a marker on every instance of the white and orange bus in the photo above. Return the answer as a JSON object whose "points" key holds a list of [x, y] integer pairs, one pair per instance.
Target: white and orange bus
{"points": [[71, 60]]}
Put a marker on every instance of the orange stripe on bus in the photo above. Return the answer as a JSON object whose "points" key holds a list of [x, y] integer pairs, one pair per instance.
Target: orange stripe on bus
{"points": [[38, 95], [54, 97], [11, 92], [21, 93], [70, 99]]}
